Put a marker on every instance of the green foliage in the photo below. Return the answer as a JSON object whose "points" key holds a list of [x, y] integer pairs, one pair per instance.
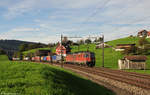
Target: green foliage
{"points": [[143, 41], [80, 41], [100, 39], [88, 41], [18, 54], [26, 78], [2, 52], [23, 47]]}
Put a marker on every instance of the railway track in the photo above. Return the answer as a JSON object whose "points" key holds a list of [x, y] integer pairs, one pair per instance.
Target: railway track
{"points": [[144, 76], [125, 77]]}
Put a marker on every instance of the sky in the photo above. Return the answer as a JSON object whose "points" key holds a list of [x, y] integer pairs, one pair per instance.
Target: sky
{"points": [[45, 20]]}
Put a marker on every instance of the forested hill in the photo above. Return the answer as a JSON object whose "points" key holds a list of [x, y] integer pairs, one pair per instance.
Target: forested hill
{"points": [[12, 44]]}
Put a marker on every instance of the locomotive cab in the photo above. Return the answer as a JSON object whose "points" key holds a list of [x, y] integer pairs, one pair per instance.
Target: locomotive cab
{"points": [[90, 59]]}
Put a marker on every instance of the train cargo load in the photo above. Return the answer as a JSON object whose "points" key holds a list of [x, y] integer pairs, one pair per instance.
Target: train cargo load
{"points": [[48, 58]]}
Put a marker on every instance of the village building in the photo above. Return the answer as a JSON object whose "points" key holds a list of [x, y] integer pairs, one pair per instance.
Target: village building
{"points": [[60, 49], [132, 62], [144, 33], [122, 47]]}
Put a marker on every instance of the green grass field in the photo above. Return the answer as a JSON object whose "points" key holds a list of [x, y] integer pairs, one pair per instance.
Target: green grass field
{"points": [[26, 78]]}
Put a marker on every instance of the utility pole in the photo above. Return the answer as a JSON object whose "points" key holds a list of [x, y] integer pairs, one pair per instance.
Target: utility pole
{"points": [[61, 51], [103, 51]]}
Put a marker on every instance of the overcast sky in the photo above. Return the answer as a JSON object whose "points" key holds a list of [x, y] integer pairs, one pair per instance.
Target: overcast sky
{"points": [[44, 20]]}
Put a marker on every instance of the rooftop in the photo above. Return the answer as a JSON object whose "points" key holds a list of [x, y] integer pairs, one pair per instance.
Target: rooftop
{"points": [[136, 57]]}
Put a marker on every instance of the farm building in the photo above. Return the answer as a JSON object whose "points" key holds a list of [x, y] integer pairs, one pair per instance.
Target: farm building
{"points": [[122, 47], [144, 33], [42, 52], [60, 49], [132, 62]]}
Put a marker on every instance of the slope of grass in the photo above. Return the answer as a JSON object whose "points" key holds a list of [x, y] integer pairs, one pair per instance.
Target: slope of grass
{"points": [[26, 78], [127, 40]]}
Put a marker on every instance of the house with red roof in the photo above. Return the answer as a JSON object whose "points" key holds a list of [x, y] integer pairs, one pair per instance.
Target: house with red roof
{"points": [[60, 49], [143, 33]]}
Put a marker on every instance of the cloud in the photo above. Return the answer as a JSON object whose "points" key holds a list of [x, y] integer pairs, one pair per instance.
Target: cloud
{"points": [[25, 29]]}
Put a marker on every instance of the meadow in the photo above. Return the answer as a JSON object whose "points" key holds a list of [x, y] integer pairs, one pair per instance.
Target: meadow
{"points": [[27, 78]]}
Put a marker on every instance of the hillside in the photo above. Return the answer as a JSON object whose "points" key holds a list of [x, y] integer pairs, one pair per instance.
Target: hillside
{"points": [[126, 40], [26, 78], [12, 44]]}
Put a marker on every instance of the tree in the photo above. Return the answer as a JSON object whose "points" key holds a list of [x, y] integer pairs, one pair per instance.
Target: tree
{"points": [[31, 46], [143, 42], [2, 51], [23, 47], [18, 55], [88, 41], [100, 39], [65, 39], [81, 41], [144, 46]]}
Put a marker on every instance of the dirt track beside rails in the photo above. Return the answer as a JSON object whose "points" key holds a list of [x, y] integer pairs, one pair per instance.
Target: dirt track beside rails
{"points": [[121, 82]]}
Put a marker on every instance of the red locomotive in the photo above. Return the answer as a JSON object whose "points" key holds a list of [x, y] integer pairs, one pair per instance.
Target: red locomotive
{"points": [[87, 58]]}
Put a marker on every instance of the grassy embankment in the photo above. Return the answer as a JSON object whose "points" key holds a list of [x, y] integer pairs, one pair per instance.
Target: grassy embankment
{"points": [[25, 78]]}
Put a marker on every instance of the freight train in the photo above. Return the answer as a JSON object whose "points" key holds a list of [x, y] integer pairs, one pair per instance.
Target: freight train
{"points": [[84, 58]]}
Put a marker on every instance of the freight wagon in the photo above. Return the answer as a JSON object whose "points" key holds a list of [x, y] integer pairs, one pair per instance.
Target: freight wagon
{"points": [[37, 58], [56, 58], [26, 58], [16, 59]]}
